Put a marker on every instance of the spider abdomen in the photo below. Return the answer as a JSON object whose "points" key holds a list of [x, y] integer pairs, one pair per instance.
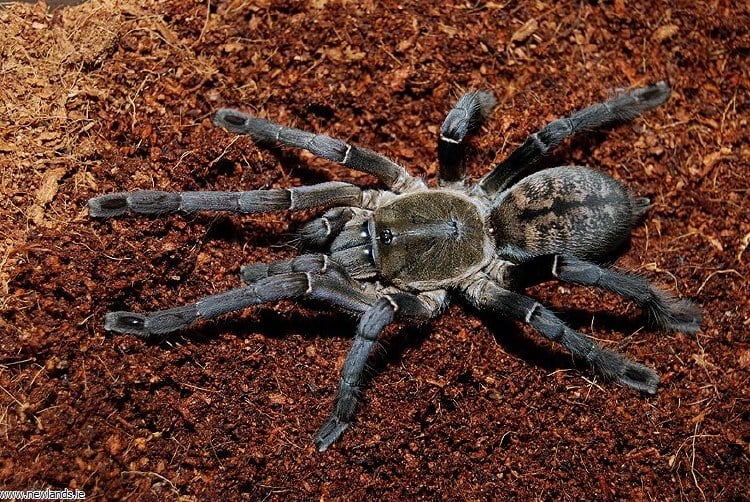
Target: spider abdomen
{"points": [[567, 210], [429, 238]]}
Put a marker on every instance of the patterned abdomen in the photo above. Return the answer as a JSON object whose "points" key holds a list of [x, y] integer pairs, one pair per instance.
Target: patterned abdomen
{"points": [[566, 210]]}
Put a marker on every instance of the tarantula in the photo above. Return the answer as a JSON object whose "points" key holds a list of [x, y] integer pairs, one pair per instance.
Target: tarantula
{"points": [[402, 253]]}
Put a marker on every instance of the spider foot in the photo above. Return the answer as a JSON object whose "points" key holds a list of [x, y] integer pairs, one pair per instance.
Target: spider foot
{"points": [[107, 206], [156, 323], [151, 202], [639, 377], [329, 433], [676, 315], [126, 323], [615, 367]]}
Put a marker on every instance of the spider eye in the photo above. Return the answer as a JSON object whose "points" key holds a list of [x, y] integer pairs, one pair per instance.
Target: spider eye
{"points": [[386, 236]]}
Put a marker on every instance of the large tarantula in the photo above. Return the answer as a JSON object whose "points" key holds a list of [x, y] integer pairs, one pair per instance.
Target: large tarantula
{"points": [[401, 254]]}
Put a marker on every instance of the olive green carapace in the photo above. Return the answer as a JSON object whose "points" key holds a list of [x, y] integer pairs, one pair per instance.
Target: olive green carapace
{"points": [[429, 238], [568, 209]]}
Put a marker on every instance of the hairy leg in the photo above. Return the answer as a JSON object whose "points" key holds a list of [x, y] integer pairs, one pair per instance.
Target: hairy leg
{"points": [[321, 231], [320, 264], [621, 108], [332, 193], [332, 287], [463, 120], [663, 310], [391, 174], [487, 295], [397, 306]]}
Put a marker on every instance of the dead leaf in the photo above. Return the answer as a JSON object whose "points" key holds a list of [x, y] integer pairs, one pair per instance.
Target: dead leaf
{"points": [[745, 242], [525, 31], [665, 32], [277, 398], [699, 417], [700, 360], [715, 242], [6, 147], [49, 185], [351, 55]]}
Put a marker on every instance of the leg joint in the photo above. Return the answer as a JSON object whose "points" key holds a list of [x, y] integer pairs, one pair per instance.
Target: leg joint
{"points": [[531, 311]]}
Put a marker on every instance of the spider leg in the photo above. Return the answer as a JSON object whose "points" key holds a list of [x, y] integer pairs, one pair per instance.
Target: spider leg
{"points": [[397, 306], [485, 294], [315, 263], [328, 287], [254, 201], [462, 120], [321, 231], [663, 309], [621, 108], [391, 174]]}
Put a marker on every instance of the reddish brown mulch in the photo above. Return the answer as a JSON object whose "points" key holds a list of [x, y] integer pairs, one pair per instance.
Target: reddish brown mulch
{"points": [[113, 96]]}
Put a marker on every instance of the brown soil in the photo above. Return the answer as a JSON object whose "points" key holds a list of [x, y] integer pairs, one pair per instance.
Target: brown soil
{"points": [[111, 96]]}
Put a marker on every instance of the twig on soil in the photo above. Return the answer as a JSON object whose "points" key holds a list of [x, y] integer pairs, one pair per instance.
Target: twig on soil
{"points": [[205, 23], [692, 462], [221, 155], [19, 403], [156, 475], [745, 242], [718, 272], [106, 368]]}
